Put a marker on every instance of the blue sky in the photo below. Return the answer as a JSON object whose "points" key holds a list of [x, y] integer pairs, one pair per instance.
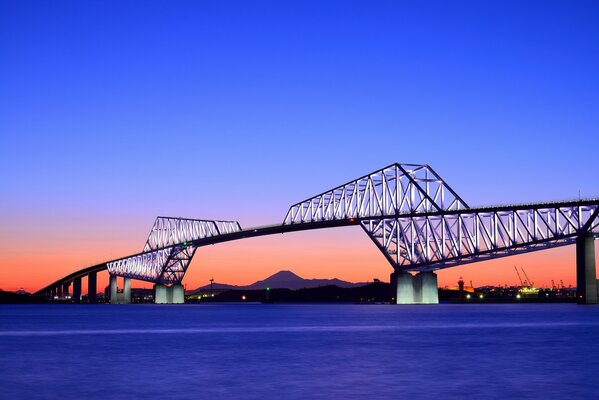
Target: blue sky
{"points": [[124, 110]]}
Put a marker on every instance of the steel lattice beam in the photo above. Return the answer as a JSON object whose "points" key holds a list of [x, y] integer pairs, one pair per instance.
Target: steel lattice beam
{"points": [[448, 238], [420, 223], [417, 221], [396, 189], [168, 251], [168, 231]]}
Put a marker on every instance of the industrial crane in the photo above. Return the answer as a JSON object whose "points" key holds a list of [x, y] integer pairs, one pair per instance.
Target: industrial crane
{"points": [[528, 281], [519, 277]]}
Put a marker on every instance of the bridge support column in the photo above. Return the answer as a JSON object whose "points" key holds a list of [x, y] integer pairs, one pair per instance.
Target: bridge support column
{"points": [[428, 292], [77, 290], [586, 275], [169, 294], [113, 291], [92, 280], [161, 294], [415, 289], [126, 291], [65, 289], [115, 296], [178, 294], [404, 287], [53, 293]]}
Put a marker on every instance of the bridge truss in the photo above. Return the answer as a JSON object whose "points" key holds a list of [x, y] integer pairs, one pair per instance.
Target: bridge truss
{"points": [[420, 224], [412, 215], [393, 190], [168, 250], [445, 239]]}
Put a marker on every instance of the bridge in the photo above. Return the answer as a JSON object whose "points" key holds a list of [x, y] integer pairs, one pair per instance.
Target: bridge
{"points": [[408, 211]]}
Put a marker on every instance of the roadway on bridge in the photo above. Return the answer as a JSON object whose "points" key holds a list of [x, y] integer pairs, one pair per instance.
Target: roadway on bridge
{"points": [[281, 228]]}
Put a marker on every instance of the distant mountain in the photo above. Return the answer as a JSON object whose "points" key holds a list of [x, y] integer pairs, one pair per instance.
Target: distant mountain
{"points": [[289, 280], [283, 280]]}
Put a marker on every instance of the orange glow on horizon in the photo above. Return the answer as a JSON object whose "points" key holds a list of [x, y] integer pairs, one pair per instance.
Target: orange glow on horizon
{"points": [[343, 253]]}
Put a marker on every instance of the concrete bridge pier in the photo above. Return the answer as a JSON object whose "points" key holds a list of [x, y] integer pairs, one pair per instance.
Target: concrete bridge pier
{"points": [[415, 289], [53, 293], [169, 294], [126, 291], [65, 289], [115, 296], [77, 290], [404, 287], [428, 288], [92, 280], [113, 290], [587, 286]]}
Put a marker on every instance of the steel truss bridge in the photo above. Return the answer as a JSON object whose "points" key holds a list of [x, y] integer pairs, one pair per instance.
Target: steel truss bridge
{"points": [[410, 213]]}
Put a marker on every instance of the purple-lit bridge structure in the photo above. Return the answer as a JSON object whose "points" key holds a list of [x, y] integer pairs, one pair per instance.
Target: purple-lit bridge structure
{"points": [[414, 218]]}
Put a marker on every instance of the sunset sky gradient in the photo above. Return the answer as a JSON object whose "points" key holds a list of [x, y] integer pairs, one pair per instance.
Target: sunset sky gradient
{"points": [[112, 113]]}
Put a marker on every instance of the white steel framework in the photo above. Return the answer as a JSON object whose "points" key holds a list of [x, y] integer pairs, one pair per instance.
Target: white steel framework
{"points": [[417, 221], [168, 250], [440, 240], [396, 189], [420, 223]]}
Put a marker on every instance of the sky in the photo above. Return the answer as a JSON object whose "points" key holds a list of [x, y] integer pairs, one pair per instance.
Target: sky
{"points": [[115, 112]]}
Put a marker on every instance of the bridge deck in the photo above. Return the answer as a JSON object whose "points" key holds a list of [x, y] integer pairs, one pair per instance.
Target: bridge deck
{"points": [[287, 228]]}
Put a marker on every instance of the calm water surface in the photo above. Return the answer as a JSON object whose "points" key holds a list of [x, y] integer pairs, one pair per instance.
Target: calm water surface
{"points": [[255, 351]]}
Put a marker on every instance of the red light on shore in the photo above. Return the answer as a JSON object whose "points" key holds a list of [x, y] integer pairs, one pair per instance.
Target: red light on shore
{"points": [[352, 220]]}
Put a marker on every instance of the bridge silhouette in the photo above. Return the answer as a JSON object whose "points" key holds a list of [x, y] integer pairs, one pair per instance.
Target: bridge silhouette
{"points": [[414, 218]]}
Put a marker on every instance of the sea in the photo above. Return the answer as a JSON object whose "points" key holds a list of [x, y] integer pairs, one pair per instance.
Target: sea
{"points": [[299, 351]]}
